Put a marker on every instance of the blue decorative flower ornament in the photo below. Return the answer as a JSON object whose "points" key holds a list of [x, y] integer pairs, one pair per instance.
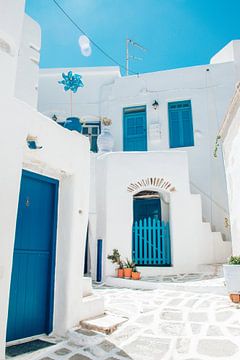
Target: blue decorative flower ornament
{"points": [[71, 81]]}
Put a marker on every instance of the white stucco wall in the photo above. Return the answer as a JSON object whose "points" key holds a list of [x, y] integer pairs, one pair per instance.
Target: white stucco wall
{"points": [[230, 52], [209, 87], [191, 239], [64, 156], [28, 62], [231, 149], [87, 101], [11, 23]]}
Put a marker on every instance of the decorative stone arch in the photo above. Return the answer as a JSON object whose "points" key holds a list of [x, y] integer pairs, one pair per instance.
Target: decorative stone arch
{"points": [[151, 183]]}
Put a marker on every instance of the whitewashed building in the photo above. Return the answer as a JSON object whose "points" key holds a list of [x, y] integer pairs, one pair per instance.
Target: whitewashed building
{"points": [[209, 88], [163, 114], [154, 186], [229, 137], [44, 191]]}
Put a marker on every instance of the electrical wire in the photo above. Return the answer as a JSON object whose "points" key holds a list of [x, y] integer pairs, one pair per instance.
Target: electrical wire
{"points": [[92, 41]]}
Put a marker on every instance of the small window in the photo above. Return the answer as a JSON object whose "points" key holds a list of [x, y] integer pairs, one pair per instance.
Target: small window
{"points": [[92, 130], [180, 124]]}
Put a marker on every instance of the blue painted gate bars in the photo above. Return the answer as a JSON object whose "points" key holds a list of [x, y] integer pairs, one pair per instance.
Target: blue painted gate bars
{"points": [[151, 243]]}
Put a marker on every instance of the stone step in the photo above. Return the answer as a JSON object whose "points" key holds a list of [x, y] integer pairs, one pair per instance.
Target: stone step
{"points": [[215, 269], [107, 323]]}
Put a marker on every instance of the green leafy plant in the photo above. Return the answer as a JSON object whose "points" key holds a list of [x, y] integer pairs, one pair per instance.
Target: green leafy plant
{"points": [[115, 258], [129, 264], [134, 269], [234, 260], [217, 144]]}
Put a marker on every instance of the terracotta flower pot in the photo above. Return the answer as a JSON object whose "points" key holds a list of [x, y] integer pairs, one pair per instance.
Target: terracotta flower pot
{"points": [[120, 273], [136, 275], [127, 273], [235, 298]]}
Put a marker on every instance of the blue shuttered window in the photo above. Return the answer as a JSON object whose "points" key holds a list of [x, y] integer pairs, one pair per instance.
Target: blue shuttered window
{"points": [[180, 124]]}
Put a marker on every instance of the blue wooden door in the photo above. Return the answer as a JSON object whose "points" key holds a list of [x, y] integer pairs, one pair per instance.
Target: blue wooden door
{"points": [[31, 294], [134, 131]]}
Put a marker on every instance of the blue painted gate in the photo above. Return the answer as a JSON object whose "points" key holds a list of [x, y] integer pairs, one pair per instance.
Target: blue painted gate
{"points": [[151, 243], [134, 129], [31, 294]]}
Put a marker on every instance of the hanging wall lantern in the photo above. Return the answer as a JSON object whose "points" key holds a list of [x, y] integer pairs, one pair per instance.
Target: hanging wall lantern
{"points": [[155, 105]]}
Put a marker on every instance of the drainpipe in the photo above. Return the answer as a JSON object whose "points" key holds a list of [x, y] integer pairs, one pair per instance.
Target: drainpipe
{"points": [[99, 260]]}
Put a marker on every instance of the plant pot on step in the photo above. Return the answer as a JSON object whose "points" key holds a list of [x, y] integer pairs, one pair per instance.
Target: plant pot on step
{"points": [[235, 298], [232, 280], [136, 275], [128, 273], [120, 273]]}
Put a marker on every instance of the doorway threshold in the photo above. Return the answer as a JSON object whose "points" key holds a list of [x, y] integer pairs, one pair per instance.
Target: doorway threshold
{"points": [[28, 347]]}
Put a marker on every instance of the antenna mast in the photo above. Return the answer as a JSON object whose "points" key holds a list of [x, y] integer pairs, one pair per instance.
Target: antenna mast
{"points": [[128, 57]]}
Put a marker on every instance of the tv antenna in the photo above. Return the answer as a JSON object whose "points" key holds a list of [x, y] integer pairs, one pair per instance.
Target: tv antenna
{"points": [[132, 43]]}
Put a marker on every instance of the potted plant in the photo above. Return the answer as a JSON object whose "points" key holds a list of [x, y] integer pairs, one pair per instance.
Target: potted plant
{"points": [[115, 258], [232, 278], [135, 274], [128, 266]]}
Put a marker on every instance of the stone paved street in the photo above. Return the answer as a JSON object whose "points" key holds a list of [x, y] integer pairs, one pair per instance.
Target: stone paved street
{"points": [[169, 325]]}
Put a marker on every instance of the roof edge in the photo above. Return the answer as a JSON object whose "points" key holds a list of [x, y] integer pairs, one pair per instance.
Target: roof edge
{"points": [[231, 112]]}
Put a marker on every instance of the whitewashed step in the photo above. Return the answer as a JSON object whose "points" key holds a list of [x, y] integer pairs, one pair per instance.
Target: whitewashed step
{"points": [[212, 269], [207, 226], [106, 323], [92, 305], [87, 286], [223, 249]]}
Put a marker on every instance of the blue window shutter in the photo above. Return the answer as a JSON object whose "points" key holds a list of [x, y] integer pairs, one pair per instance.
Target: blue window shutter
{"points": [[180, 124], [174, 128], [187, 127], [134, 129]]}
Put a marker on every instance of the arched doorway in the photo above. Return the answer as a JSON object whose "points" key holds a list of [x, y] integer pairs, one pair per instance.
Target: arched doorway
{"points": [[146, 204], [151, 237]]}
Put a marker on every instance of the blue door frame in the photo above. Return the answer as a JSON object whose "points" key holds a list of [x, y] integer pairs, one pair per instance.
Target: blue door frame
{"points": [[134, 129], [32, 284]]}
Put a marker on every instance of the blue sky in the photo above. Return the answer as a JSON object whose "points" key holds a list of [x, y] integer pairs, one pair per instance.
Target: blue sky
{"points": [[177, 33]]}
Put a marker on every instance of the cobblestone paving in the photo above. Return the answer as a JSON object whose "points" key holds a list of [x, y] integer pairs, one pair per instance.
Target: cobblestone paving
{"points": [[181, 278], [169, 325]]}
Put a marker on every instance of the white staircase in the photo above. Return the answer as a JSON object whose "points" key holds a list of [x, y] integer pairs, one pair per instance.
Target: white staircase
{"points": [[219, 248]]}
